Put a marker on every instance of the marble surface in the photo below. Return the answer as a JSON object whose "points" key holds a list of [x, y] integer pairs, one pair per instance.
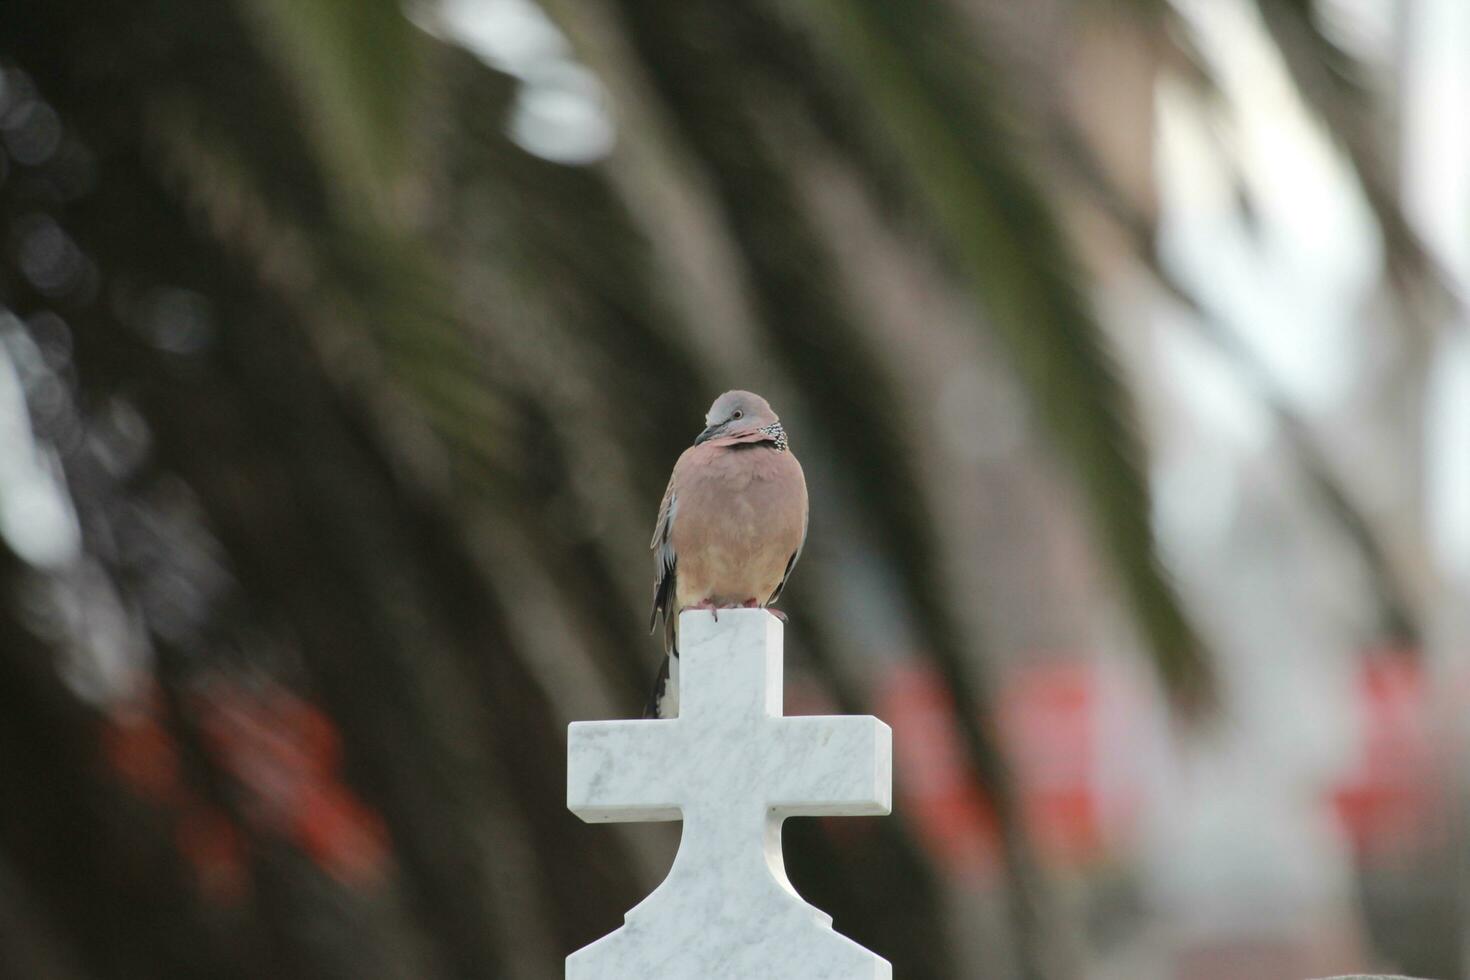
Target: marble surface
{"points": [[732, 768]]}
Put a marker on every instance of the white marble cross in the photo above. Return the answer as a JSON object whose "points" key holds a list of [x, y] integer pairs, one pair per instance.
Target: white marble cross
{"points": [[732, 768]]}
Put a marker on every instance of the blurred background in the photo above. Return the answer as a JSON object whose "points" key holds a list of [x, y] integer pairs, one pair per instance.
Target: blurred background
{"points": [[345, 349]]}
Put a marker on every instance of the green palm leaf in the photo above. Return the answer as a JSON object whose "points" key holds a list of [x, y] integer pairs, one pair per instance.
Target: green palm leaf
{"points": [[928, 105], [357, 63]]}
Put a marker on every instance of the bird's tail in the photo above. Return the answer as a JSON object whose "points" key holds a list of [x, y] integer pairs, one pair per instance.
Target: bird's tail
{"points": [[660, 692]]}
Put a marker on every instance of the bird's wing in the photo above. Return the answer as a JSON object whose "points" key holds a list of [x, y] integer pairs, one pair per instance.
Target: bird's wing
{"points": [[660, 693], [795, 556], [665, 561]]}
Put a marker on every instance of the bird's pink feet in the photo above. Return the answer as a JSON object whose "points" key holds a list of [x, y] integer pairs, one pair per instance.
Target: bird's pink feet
{"points": [[748, 604], [709, 604], [755, 604]]}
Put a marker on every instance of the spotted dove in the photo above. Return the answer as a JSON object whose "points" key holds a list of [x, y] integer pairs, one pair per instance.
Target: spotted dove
{"points": [[730, 528]]}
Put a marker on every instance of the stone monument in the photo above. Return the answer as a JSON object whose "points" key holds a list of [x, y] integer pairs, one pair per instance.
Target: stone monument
{"points": [[732, 768]]}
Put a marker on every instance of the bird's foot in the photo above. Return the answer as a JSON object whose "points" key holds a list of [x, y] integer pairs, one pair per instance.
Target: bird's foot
{"points": [[709, 604], [756, 604], [714, 608]]}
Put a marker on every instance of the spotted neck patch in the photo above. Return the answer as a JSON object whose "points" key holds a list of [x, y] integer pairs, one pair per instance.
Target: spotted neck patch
{"points": [[777, 434]]}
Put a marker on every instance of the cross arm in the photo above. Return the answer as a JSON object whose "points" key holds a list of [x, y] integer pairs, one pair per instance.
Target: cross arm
{"points": [[623, 771], [832, 765]]}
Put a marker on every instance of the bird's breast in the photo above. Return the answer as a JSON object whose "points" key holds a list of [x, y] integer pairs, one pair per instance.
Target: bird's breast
{"points": [[741, 515]]}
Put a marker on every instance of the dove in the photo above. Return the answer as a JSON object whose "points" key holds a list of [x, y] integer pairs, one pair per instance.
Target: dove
{"points": [[730, 528]]}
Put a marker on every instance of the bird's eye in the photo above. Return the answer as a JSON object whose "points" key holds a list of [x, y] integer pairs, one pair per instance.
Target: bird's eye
{"points": [[738, 414]]}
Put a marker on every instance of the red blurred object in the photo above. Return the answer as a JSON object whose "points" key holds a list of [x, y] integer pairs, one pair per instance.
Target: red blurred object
{"points": [[934, 785], [1387, 795], [1049, 716], [286, 754], [142, 753], [214, 847], [1050, 725], [1080, 777], [340, 834]]}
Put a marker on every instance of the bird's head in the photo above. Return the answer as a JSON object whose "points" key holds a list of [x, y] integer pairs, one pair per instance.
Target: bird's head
{"points": [[736, 413]]}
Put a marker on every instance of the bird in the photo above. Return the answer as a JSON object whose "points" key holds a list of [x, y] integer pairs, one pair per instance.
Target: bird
{"points": [[730, 529]]}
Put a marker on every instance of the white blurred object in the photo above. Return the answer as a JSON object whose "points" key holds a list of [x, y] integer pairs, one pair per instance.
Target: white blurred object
{"points": [[561, 110], [1436, 187], [36, 516]]}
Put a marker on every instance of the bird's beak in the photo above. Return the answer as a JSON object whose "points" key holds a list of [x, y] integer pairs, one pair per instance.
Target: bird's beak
{"points": [[706, 435]]}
